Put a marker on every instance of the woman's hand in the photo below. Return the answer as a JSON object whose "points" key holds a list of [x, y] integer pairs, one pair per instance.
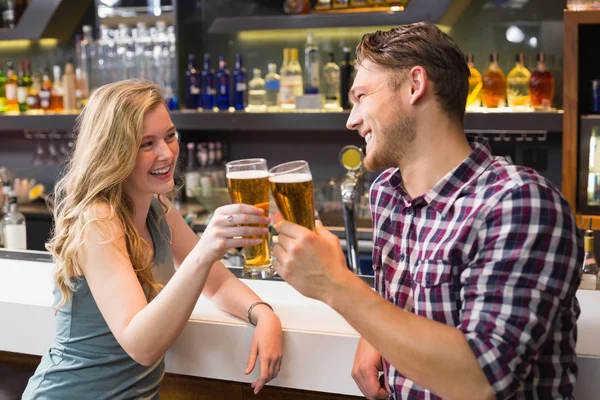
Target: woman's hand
{"points": [[266, 345], [234, 225]]}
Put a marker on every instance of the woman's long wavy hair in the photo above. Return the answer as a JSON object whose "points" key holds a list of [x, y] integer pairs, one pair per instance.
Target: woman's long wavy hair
{"points": [[109, 136]]}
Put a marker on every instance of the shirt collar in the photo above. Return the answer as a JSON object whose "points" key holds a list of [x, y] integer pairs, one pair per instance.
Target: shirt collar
{"points": [[444, 193]]}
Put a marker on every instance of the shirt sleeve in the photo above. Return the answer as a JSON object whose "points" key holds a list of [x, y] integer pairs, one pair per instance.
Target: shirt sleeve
{"points": [[527, 264]]}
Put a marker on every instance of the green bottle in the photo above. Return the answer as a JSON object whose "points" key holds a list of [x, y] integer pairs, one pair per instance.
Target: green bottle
{"points": [[2, 89]]}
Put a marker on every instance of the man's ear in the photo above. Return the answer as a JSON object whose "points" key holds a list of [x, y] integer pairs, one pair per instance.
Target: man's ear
{"points": [[417, 82]]}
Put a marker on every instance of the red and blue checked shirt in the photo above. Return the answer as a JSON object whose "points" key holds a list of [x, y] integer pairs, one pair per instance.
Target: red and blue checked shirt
{"points": [[493, 250]]}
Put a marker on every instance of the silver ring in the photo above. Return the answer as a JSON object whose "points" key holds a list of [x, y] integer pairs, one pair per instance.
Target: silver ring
{"points": [[230, 219]]}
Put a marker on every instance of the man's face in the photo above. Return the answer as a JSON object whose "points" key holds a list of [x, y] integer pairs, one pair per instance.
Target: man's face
{"points": [[380, 116]]}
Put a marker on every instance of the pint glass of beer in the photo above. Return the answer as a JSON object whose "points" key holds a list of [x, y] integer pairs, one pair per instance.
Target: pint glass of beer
{"points": [[248, 183], [292, 188]]}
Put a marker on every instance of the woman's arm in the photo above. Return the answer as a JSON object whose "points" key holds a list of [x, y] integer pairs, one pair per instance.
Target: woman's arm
{"points": [[146, 330]]}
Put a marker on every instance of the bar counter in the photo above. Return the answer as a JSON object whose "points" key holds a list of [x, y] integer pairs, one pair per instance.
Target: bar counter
{"points": [[319, 344]]}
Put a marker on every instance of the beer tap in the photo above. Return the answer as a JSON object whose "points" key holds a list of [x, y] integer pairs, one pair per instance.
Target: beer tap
{"points": [[351, 158]]}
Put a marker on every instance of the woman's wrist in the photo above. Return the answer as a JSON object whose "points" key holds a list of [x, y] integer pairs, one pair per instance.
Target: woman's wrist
{"points": [[259, 310]]}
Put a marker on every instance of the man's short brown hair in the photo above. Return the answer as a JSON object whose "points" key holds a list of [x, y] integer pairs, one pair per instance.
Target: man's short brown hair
{"points": [[425, 45]]}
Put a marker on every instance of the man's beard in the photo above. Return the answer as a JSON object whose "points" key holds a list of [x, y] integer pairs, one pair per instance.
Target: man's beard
{"points": [[391, 144]]}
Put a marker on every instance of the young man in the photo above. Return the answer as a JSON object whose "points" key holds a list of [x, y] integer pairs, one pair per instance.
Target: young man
{"points": [[476, 260]]}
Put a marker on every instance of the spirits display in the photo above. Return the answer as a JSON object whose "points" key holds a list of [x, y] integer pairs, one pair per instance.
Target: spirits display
{"points": [[272, 85], [331, 84], [475, 84], [517, 92], [257, 94], [541, 85], [494, 85]]}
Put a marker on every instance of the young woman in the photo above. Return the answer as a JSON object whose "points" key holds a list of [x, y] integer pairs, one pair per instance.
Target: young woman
{"points": [[113, 226]]}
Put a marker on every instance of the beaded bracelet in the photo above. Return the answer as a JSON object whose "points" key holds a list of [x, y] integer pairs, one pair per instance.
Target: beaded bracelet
{"points": [[249, 314]]}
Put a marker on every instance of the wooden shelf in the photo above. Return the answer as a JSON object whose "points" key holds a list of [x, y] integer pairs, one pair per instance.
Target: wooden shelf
{"points": [[421, 10], [290, 122]]}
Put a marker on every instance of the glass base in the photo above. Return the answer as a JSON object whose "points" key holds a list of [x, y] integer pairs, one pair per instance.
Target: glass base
{"points": [[263, 272]]}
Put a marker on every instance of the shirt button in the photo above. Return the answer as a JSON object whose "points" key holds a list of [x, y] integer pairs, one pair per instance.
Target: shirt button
{"points": [[402, 257], [417, 263], [409, 211]]}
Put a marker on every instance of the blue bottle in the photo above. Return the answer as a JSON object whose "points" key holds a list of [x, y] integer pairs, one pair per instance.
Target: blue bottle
{"points": [[208, 85], [240, 96], [192, 82], [223, 90]]}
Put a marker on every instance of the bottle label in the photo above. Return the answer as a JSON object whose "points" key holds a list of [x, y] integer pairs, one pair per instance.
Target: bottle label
{"points": [[588, 282], [32, 101], [240, 87], [11, 92], [286, 95], [272, 84], [15, 237], [194, 89], [22, 95], [223, 89]]}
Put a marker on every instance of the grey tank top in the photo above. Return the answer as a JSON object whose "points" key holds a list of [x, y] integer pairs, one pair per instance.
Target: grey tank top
{"points": [[86, 361]]}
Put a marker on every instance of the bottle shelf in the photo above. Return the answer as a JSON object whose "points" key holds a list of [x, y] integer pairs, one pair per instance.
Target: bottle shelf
{"points": [[293, 121], [422, 10]]}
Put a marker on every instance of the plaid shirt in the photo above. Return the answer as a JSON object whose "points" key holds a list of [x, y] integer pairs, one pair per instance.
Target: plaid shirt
{"points": [[493, 250]]}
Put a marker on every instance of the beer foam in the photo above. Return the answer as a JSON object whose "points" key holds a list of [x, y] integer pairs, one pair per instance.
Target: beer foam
{"points": [[252, 174], [293, 177]]}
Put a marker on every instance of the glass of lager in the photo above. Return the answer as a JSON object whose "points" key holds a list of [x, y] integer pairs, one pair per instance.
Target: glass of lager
{"points": [[248, 183], [292, 188]]}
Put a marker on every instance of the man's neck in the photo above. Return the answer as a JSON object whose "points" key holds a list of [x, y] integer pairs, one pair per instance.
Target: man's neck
{"points": [[439, 146]]}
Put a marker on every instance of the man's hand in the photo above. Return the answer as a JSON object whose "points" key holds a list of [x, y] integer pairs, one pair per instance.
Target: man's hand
{"points": [[365, 371], [313, 263]]}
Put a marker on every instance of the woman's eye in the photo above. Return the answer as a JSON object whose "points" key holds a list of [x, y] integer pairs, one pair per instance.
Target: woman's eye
{"points": [[171, 136], [146, 145]]}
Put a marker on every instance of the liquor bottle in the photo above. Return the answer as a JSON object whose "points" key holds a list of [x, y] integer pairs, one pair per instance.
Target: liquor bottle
{"points": [[272, 85], [192, 82], [345, 79], [331, 84], [517, 93], [257, 93], [296, 6], [192, 173], [294, 71], [312, 66], [57, 92], [590, 274], [541, 85], [69, 83], [475, 84], [223, 77], [494, 84], [22, 88], [2, 89], [11, 88], [240, 88], [46, 91], [13, 226], [286, 91], [208, 85], [33, 97], [323, 5], [85, 53]]}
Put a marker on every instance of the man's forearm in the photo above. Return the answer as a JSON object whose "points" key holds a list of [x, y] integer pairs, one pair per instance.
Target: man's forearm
{"points": [[434, 355]]}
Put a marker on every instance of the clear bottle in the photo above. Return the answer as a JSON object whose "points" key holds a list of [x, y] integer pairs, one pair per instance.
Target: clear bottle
{"points": [[494, 84], [208, 85], [345, 79], [291, 81], [223, 90], [257, 93], [286, 91], [517, 92], [13, 226], [272, 85], [541, 85], [22, 88], [312, 66], [192, 173], [240, 89], [590, 276], [69, 82], [331, 84], [475, 84], [46, 90]]}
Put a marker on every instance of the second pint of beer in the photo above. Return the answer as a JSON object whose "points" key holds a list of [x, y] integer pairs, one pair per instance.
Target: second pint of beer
{"points": [[252, 187], [293, 192]]}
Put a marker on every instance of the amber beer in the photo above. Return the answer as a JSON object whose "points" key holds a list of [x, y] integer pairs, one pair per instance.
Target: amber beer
{"points": [[252, 187], [293, 194]]}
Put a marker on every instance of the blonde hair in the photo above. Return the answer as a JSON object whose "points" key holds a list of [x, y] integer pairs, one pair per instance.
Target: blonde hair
{"points": [[109, 136]]}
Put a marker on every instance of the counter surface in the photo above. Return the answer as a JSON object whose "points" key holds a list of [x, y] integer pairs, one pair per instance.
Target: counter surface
{"points": [[319, 344]]}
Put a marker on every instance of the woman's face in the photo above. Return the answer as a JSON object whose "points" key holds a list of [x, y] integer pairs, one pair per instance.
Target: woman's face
{"points": [[156, 157]]}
